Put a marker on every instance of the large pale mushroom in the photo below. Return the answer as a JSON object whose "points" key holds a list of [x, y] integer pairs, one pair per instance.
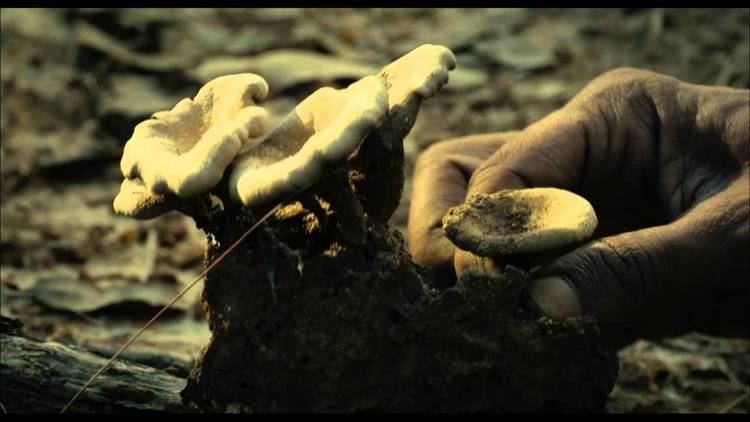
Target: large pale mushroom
{"points": [[377, 169], [361, 127], [183, 152], [355, 134], [312, 141]]}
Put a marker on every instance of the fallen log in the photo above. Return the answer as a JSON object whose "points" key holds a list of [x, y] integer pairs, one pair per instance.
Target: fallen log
{"points": [[40, 377]]}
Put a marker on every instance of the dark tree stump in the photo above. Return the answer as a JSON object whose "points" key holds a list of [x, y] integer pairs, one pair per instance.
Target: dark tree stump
{"points": [[304, 322]]}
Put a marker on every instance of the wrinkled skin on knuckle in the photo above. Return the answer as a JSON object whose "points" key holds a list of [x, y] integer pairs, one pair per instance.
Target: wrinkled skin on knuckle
{"points": [[637, 93], [602, 265], [682, 138], [730, 214], [704, 152], [487, 178], [627, 78], [643, 263], [718, 229], [431, 156], [610, 285]]}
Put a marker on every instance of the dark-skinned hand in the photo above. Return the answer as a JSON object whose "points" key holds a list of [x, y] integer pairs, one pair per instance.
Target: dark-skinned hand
{"points": [[665, 165]]}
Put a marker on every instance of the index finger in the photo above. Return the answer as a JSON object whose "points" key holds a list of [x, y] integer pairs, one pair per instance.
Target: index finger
{"points": [[441, 176]]}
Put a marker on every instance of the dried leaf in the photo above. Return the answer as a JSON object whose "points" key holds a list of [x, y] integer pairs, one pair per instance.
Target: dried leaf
{"points": [[284, 68], [518, 52], [136, 96], [459, 29], [29, 152], [135, 263], [138, 300], [41, 25], [465, 79], [90, 36]]}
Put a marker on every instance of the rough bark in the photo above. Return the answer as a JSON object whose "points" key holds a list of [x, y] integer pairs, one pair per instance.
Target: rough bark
{"points": [[40, 377]]}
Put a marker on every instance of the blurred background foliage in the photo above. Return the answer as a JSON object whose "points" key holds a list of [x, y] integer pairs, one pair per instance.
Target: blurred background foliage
{"points": [[74, 82]]}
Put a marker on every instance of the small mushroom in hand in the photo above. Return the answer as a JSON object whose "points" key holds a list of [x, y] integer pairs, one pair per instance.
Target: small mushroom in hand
{"points": [[502, 226]]}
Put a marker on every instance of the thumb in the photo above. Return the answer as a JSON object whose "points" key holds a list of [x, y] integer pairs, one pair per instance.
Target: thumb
{"points": [[659, 281], [619, 280]]}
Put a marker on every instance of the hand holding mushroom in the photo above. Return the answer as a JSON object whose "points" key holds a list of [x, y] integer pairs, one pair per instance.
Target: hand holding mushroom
{"points": [[664, 164]]}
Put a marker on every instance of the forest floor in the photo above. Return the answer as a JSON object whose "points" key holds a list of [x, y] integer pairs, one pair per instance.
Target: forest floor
{"points": [[75, 83]]}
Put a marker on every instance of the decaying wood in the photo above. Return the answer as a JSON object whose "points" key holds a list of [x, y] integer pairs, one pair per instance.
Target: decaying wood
{"points": [[42, 376]]}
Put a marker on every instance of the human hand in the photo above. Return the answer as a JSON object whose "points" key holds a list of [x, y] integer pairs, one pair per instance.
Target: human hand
{"points": [[665, 165]]}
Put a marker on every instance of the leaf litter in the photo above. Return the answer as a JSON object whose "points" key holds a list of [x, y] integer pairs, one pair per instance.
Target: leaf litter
{"points": [[75, 81]]}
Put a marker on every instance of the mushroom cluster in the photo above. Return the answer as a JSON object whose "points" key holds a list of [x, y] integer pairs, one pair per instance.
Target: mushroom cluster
{"points": [[183, 152], [222, 134]]}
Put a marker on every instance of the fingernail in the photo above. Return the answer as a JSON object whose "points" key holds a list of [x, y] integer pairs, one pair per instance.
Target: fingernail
{"points": [[554, 297]]}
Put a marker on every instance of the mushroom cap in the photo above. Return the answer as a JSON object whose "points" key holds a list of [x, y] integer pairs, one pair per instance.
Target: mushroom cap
{"points": [[421, 72], [137, 201], [183, 152], [319, 134], [520, 221], [377, 168], [327, 129]]}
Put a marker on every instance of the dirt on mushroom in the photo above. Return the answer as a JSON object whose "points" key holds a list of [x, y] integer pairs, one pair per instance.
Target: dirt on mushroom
{"points": [[503, 215], [520, 221]]}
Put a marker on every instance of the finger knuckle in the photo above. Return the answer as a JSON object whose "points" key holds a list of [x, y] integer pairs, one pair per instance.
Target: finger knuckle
{"points": [[437, 155], [622, 270], [632, 81], [624, 72], [485, 177], [630, 266], [438, 150], [420, 253], [426, 251]]}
